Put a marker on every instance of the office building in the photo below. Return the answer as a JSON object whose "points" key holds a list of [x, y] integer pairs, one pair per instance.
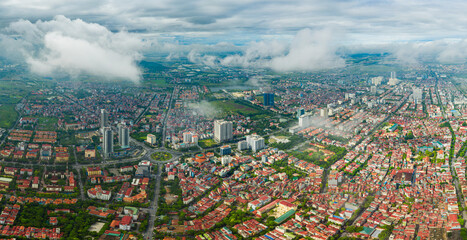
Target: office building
{"points": [[108, 143], [223, 130], [373, 90], [225, 150], [268, 99], [123, 136]]}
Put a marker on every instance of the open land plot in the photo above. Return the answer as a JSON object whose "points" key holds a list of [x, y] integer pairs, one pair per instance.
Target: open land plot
{"points": [[8, 115]]}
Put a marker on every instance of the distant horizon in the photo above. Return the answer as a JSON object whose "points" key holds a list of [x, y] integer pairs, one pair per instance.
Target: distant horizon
{"points": [[108, 39]]}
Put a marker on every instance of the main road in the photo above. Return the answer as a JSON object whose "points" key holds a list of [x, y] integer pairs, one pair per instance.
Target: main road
{"points": [[154, 204]]}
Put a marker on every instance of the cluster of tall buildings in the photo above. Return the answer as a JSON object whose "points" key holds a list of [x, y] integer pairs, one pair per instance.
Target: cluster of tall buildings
{"points": [[379, 80], [223, 131], [123, 133], [393, 80], [189, 140]]}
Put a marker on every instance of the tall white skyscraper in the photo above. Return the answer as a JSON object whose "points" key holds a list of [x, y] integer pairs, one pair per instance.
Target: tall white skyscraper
{"points": [[104, 118], [108, 142], [123, 135], [223, 130], [323, 112]]}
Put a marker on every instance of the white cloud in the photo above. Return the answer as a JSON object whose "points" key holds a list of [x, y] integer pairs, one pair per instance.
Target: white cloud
{"points": [[308, 51], [207, 60], [75, 47], [248, 20], [257, 54], [441, 51]]}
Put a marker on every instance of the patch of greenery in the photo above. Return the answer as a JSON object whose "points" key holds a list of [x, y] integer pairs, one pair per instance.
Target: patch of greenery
{"points": [[47, 123], [283, 166], [386, 232], [8, 115], [161, 156], [207, 143], [140, 136], [241, 107], [445, 124]]}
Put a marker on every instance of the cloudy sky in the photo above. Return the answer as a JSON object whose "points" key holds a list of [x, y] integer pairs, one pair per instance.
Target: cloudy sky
{"points": [[56, 35]]}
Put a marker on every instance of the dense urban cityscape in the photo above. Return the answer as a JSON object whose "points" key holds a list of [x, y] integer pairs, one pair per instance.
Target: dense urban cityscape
{"points": [[325, 155], [233, 120]]}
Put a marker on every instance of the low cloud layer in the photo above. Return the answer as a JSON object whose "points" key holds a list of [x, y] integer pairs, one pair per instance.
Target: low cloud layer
{"points": [[439, 51], [308, 51], [75, 47]]}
